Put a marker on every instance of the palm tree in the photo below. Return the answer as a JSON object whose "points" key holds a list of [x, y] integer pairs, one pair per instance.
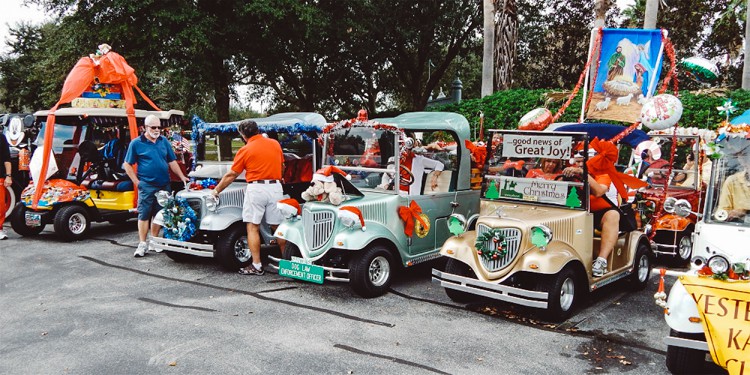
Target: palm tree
{"points": [[506, 37], [489, 47]]}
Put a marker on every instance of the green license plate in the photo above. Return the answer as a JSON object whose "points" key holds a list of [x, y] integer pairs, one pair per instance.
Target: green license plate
{"points": [[301, 271]]}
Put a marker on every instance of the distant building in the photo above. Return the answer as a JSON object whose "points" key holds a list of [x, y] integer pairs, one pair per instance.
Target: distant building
{"points": [[442, 99]]}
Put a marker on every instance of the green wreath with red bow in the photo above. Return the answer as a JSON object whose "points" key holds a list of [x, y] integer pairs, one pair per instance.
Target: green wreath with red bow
{"points": [[492, 236]]}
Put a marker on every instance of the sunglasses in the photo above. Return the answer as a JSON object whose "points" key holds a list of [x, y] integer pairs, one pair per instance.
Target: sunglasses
{"points": [[154, 127]]}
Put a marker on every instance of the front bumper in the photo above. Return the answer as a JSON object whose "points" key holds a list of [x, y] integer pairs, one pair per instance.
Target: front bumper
{"points": [[686, 343], [191, 248], [499, 292]]}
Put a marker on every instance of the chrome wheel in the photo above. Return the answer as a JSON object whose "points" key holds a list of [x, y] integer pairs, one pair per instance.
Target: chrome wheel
{"points": [[643, 268], [379, 271], [241, 251], [685, 247], [567, 294], [77, 223]]}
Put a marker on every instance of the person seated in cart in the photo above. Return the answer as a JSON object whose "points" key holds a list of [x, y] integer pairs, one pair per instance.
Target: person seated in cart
{"points": [[735, 192], [550, 169]]}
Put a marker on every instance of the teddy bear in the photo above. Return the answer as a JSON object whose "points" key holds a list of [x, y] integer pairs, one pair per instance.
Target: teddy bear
{"points": [[322, 191]]}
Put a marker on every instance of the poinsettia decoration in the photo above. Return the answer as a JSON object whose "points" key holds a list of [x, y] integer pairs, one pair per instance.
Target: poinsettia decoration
{"points": [[737, 271], [491, 245]]}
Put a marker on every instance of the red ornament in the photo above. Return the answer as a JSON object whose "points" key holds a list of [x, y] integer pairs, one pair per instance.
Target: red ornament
{"points": [[479, 252], [211, 186], [705, 271], [362, 115]]}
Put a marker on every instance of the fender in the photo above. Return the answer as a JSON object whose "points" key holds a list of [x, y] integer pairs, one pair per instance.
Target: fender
{"points": [[672, 222]]}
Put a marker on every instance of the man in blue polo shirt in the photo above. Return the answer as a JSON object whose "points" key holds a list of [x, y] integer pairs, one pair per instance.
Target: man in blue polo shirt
{"points": [[154, 156]]}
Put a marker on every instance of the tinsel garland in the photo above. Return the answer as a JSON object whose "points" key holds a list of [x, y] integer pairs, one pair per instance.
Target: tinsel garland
{"points": [[597, 47], [179, 220], [346, 124], [200, 128], [488, 252]]}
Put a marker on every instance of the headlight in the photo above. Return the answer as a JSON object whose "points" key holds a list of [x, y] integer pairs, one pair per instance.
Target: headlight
{"points": [[162, 197], [682, 208], [718, 264], [212, 202], [457, 224], [669, 204], [350, 216], [541, 236]]}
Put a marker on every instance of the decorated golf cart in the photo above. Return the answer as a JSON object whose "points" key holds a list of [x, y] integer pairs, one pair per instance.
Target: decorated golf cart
{"points": [[380, 200], [534, 240], [196, 224], [76, 166], [707, 306]]}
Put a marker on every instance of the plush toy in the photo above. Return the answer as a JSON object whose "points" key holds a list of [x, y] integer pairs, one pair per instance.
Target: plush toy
{"points": [[324, 188]]}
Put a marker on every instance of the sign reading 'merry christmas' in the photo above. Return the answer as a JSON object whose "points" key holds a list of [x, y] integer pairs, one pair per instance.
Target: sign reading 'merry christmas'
{"points": [[523, 146], [536, 190]]}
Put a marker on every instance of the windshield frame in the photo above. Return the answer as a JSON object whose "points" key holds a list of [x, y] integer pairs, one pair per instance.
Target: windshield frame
{"points": [[719, 177]]}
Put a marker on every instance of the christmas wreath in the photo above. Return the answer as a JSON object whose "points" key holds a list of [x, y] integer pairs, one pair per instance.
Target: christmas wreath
{"points": [[179, 220], [489, 252]]}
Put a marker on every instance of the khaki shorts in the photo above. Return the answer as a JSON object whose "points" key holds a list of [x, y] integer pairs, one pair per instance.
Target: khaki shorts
{"points": [[260, 200]]}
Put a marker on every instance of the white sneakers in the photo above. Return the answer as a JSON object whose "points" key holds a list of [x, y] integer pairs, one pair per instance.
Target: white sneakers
{"points": [[141, 250], [3, 236], [599, 268]]}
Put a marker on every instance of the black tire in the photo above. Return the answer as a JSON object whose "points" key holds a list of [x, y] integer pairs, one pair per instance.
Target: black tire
{"points": [[641, 268], [684, 360], [459, 268], [18, 222], [178, 257], [290, 250], [684, 248], [72, 223], [564, 290], [371, 273], [231, 250]]}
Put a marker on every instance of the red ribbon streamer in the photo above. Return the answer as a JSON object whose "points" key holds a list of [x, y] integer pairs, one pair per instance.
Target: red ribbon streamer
{"points": [[408, 214]]}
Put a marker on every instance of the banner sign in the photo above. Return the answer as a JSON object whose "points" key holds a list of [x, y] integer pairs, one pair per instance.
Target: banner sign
{"points": [[538, 146], [629, 67], [725, 309], [535, 190]]}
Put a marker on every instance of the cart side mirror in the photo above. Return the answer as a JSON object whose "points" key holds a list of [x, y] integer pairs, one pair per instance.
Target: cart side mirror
{"points": [[28, 121], [682, 208]]}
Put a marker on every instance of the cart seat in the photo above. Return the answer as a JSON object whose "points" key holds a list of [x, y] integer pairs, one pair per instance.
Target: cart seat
{"points": [[120, 183]]}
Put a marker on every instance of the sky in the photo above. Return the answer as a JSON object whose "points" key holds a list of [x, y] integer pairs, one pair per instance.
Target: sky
{"points": [[13, 11]]}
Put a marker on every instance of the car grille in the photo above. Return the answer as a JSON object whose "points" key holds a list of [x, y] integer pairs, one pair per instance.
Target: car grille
{"points": [[318, 226], [513, 243], [197, 205], [232, 198]]}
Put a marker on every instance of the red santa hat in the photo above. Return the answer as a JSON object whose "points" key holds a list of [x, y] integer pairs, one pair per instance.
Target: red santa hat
{"points": [[289, 207], [352, 213], [326, 174]]}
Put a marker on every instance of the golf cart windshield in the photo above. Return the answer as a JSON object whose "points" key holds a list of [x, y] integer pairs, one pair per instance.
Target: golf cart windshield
{"points": [[363, 152], [728, 200], [527, 167]]}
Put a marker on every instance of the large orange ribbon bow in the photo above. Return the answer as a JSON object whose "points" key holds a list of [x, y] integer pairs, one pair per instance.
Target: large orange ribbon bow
{"points": [[408, 214], [604, 163]]}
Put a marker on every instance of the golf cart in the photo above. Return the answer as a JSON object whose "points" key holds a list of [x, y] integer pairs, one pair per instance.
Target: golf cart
{"points": [[718, 252], [215, 229], [377, 226], [89, 185], [534, 241]]}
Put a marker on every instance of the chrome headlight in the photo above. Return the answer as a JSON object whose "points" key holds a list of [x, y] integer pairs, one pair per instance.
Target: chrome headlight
{"points": [[718, 264], [682, 208], [541, 236], [669, 204], [162, 197], [457, 224], [212, 202]]}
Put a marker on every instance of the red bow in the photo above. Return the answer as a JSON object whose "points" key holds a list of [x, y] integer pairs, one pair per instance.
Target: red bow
{"points": [[478, 153], [408, 214], [604, 163]]}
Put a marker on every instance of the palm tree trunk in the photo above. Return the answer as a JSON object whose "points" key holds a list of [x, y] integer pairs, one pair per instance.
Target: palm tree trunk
{"points": [[745, 65], [488, 66], [506, 36], [652, 12]]}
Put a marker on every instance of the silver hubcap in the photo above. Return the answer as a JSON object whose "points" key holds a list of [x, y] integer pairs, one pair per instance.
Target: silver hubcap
{"points": [[643, 268], [241, 251], [685, 247], [77, 223], [379, 271], [567, 294]]}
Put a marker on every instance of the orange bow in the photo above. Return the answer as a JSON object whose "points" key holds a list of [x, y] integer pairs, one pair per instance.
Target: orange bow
{"points": [[478, 153], [518, 165], [604, 163], [408, 214]]}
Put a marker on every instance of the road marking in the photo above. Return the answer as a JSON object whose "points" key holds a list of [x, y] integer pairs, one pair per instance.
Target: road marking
{"points": [[394, 359]]}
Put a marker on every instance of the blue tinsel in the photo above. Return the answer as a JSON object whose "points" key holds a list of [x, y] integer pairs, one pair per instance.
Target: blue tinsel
{"points": [[201, 127], [172, 220], [208, 182]]}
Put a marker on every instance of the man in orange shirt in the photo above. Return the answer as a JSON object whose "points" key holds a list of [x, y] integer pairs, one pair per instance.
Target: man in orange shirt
{"points": [[263, 162]]}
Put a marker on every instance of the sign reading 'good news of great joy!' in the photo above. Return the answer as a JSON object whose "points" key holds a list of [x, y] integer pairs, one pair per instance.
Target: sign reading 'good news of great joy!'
{"points": [[538, 146]]}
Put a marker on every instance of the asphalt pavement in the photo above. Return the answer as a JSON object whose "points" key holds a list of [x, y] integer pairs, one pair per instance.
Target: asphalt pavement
{"points": [[89, 307]]}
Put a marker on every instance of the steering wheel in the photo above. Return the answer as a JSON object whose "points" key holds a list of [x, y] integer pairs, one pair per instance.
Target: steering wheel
{"points": [[574, 178], [406, 178]]}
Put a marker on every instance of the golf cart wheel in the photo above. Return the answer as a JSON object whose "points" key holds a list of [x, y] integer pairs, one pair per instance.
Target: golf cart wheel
{"points": [[459, 268], [291, 250], [641, 268], [684, 249], [72, 222], [685, 360], [372, 272], [18, 222], [231, 248], [564, 289]]}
